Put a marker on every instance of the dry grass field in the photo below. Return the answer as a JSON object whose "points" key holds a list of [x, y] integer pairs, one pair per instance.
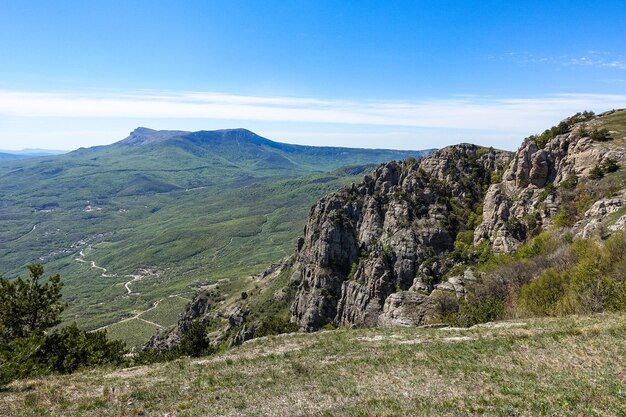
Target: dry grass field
{"points": [[573, 366]]}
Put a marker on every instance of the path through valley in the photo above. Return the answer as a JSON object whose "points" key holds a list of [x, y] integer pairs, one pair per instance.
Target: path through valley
{"points": [[135, 277]]}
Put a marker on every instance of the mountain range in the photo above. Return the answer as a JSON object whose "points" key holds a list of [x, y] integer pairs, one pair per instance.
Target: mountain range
{"points": [[27, 153]]}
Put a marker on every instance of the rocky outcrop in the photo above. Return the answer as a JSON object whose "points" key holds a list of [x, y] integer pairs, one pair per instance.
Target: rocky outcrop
{"points": [[372, 252], [606, 206], [594, 222], [228, 317], [526, 199], [198, 309], [408, 308]]}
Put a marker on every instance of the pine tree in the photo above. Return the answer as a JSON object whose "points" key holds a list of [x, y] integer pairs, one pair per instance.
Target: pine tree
{"points": [[28, 306]]}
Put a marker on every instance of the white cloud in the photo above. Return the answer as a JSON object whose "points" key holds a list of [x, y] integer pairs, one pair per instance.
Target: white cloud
{"points": [[473, 118], [615, 64], [464, 112], [591, 59]]}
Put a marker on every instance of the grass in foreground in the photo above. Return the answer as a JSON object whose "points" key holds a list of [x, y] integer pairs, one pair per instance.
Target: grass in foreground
{"points": [[557, 367]]}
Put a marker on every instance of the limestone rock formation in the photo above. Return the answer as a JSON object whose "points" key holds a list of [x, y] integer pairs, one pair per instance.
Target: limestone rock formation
{"points": [[527, 199], [372, 252], [197, 309]]}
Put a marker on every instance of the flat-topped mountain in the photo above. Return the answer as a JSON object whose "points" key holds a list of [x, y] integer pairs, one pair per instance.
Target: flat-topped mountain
{"points": [[144, 162], [240, 146]]}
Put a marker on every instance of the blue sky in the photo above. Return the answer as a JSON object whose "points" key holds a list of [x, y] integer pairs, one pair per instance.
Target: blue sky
{"points": [[399, 74]]}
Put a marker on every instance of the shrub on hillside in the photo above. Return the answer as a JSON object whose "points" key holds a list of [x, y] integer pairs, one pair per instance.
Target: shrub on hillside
{"points": [[29, 307], [474, 311], [543, 244], [609, 165], [541, 296], [464, 245], [582, 116], [600, 135], [194, 342], [446, 307], [68, 349], [273, 325], [596, 173], [570, 182], [549, 134], [593, 281], [563, 219]]}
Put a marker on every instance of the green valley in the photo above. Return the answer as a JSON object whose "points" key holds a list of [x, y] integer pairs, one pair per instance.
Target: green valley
{"points": [[141, 224]]}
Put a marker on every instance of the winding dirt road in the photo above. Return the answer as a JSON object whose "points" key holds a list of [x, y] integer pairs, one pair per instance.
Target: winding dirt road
{"points": [[93, 265]]}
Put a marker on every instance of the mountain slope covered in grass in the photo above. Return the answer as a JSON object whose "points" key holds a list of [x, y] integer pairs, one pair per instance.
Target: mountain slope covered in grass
{"points": [[9, 156], [140, 224]]}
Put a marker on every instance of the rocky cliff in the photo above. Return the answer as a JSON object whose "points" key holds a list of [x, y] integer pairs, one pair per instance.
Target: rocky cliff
{"points": [[372, 253], [380, 253], [542, 181]]}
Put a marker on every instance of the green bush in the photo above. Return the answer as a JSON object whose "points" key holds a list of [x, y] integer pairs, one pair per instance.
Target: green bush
{"points": [[582, 116], [496, 176], [594, 280], [543, 244], [609, 165], [532, 223], [273, 325], [588, 289], [515, 227], [328, 326], [194, 342], [18, 358], [600, 135], [28, 306], [614, 253], [446, 308], [549, 134], [541, 296], [546, 191], [596, 283], [68, 349], [570, 182], [475, 311], [353, 270], [473, 220], [563, 219], [596, 173], [464, 244]]}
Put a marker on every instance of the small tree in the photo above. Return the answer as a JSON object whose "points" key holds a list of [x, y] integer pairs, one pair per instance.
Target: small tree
{"points": [[29, 307]]}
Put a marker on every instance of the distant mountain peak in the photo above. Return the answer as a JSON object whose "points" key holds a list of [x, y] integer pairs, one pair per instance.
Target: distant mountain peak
{"points": [[142, 130], [147, 136]]}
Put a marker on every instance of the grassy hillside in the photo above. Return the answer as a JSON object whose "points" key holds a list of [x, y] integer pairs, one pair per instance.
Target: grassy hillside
{"points": [[9, 156], [540, 367], [197, 207]]}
